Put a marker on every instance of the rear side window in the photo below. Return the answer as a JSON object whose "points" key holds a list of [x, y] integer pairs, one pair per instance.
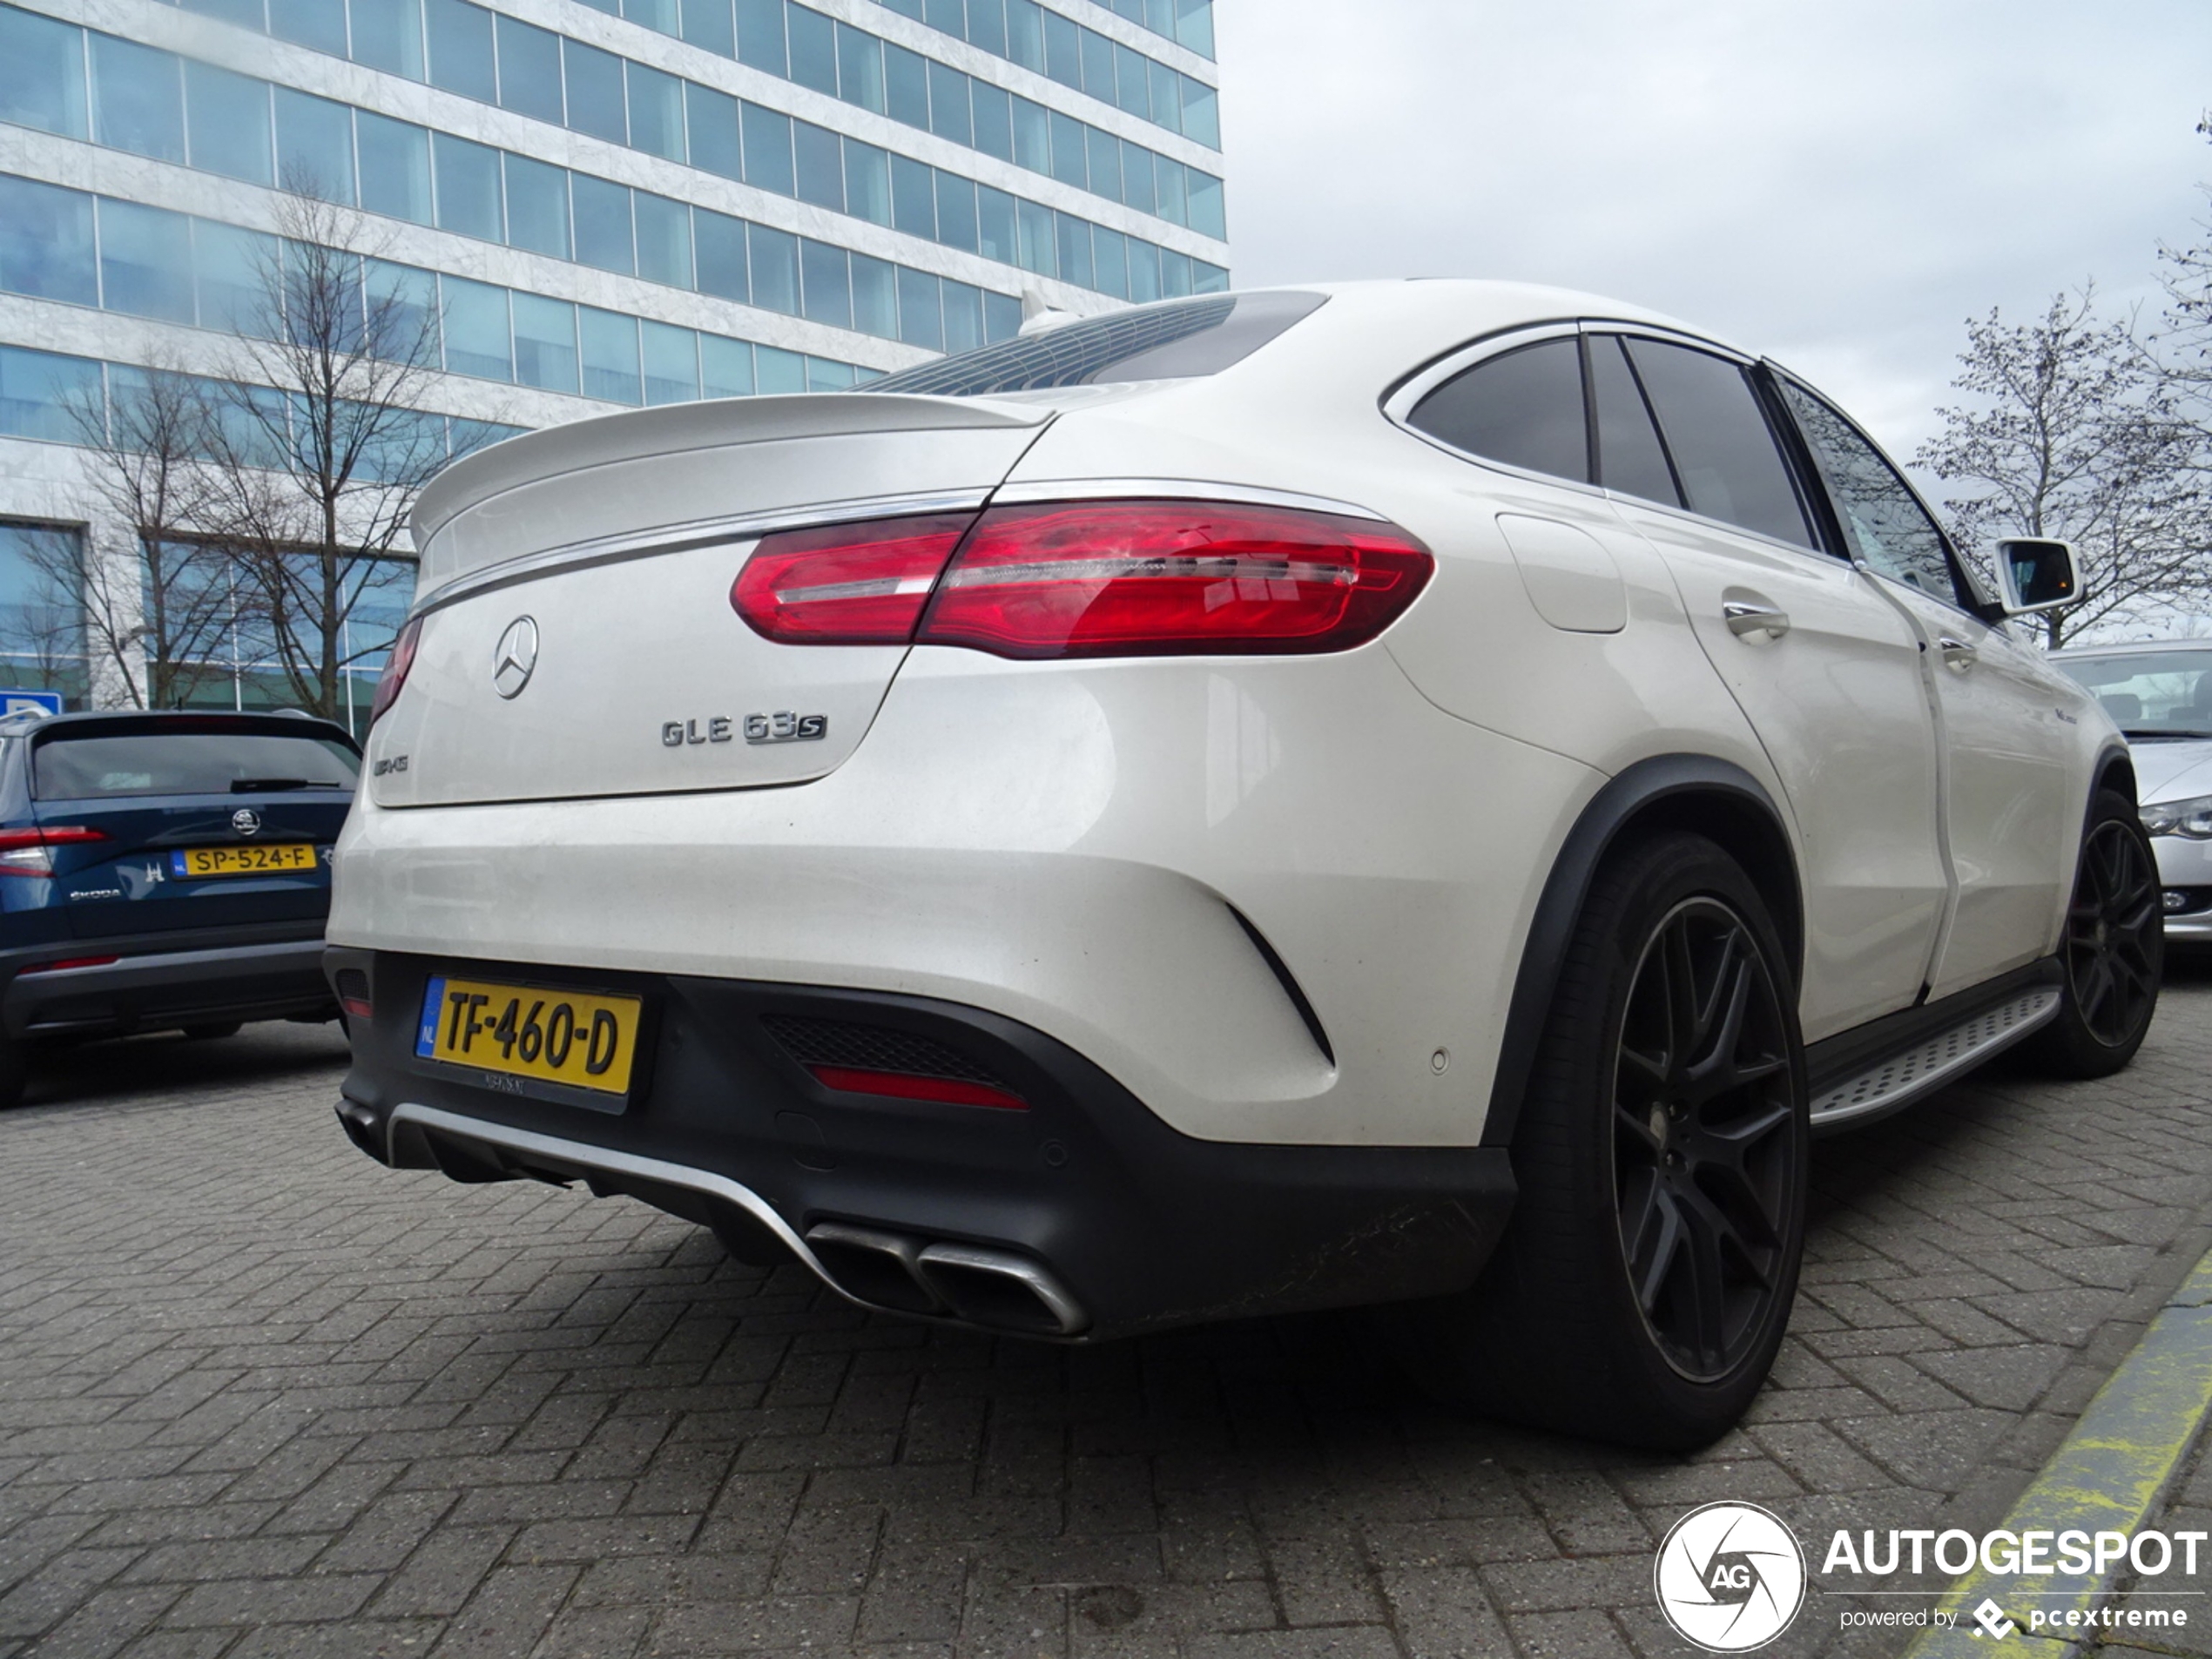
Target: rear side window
{"points": [[1630, 458], [1523, 408], [1185, 340], [1724, 451], [187, 763]]}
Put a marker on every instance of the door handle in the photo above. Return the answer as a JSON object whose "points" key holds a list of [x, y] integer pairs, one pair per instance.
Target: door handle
{"points": [[1957, 655], [1748, 617]]}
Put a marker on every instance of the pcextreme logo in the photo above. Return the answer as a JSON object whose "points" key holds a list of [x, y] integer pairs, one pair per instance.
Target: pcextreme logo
{"points": [[1729, 1577]]}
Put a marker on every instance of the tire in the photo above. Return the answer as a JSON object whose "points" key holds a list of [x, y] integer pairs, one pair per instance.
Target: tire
{"points": [[1641, 1161], [2114, 949], [15, 1072], [214, 1029]]}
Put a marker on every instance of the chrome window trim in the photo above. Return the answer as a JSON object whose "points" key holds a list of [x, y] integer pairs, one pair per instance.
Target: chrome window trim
{"points": [[681, 538]]}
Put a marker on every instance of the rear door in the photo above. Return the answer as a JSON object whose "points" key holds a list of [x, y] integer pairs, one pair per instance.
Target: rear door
{"points": [[189, 821], [1827, 672], [2014, 790]]}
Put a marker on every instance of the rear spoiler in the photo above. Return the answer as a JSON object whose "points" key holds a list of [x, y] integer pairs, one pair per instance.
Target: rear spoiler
{"points": [[714, 424]]}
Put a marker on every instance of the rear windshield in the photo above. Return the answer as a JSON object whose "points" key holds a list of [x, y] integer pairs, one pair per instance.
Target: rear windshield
{"points": [[1182, 340], [188, 763]]}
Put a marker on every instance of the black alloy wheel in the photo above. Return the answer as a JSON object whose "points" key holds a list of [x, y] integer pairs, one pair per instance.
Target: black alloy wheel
{"points": [[1647, 1273], [2114, 934], [1706, 1138]]}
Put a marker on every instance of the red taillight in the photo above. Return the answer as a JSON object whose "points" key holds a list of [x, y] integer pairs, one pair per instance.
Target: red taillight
{"points": [[902, 1085], [1172, 578], [1137, 578], [22, 851], [846, 585], [396, 669], [71, 962]]}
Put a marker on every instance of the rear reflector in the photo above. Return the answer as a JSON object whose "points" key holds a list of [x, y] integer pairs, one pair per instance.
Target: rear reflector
{"points": [[846, 585], [71, 962], [900, 1085], [1133, 578], [395, 670]]}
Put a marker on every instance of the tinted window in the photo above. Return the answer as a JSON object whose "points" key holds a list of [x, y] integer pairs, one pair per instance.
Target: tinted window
{"points": [[1163, 342], [1724, 451], [1886, 527], [1630, 458], [2150, 692], [187, 763], [1524, 408]]}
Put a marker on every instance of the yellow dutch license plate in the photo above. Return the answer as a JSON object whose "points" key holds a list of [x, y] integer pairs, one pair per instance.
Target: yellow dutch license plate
{"points": [[276, 858], [556, 1036]]}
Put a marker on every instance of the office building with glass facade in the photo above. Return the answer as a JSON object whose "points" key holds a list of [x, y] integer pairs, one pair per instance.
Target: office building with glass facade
{"points": [[600, 204]]}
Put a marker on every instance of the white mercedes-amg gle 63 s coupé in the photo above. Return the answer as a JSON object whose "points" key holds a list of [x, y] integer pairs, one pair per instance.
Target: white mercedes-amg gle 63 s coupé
{"points": [[1422, 795]]}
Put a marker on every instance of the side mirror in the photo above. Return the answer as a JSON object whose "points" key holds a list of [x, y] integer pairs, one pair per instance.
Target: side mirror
{"points": [[2037, 575]]}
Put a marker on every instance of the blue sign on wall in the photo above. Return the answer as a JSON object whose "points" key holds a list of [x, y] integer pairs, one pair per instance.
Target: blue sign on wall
{"points": [[21, 702]]}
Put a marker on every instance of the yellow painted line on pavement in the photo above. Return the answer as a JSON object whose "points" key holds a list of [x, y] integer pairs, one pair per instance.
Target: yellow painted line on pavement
{"points": [[2110, 1476]]}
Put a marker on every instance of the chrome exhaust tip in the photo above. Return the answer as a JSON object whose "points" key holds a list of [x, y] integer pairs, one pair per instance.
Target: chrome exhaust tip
{"points": [[996, 1290]]}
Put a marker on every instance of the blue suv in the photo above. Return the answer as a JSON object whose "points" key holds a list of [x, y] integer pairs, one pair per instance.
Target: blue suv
{"points": [[163, 871]]}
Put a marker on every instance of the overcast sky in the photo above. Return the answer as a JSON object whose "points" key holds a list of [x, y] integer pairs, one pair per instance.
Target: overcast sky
{"points": [[1838, 186]]}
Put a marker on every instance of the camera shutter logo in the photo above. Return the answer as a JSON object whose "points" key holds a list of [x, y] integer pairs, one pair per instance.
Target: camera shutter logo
{"points": [[1729, 1577]]}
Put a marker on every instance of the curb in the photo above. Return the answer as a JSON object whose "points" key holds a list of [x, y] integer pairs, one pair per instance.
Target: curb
{"points": [[2111, 1474]]}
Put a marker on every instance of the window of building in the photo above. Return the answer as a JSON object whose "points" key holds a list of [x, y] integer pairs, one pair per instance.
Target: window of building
{"points": [[546, 352], [235, 270], [602, 227], [594, 80], [859, 68], [921, 318], [813, 49], [656, 112], [867, 182], [41, 394], [956, 212], [1723, 451], [610, 354], [760, 35], [660, 16], [460, 49], [402, 312], [720, 255], [819, 164], [394, 167], [778, 371], [315, 145], [468, 187], [530, 69], [42, 73], [318, 25], [671, 362], [664, 238], [42, 609], [711, 120], [46, 245], [388, 35], [228, 123], [709, 25], [726, 368], [774, 256], [906, 86], [141, 270], [138, 99], [477, 341], [914, 198], [826, 283], [537, 206], [768, 150]]}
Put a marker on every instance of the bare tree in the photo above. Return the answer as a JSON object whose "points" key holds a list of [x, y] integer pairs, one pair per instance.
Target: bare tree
{"points": [[156, 609], [2076, 432], [322, 449]]}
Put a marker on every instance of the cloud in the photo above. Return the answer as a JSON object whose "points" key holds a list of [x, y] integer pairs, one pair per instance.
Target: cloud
{"points": [[1838, 188]]}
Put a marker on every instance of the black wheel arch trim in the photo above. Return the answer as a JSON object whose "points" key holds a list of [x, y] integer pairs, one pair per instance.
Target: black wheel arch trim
{"points": [[1662, 792], [2115, 769]]}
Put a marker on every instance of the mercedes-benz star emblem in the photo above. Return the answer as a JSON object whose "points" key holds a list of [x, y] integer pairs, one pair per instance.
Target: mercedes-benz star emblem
{"points": [[245, 821], [516, 657]]}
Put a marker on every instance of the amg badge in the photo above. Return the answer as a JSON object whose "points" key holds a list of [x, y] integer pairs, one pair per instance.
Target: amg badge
{"points": [[783, 726]]}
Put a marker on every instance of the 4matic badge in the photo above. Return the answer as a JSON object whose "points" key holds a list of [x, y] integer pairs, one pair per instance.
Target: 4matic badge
{"points": [[1729, 1577]]}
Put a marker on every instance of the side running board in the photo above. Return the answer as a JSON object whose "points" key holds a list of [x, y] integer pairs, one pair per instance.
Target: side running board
{"points": [[1920, 1061]]}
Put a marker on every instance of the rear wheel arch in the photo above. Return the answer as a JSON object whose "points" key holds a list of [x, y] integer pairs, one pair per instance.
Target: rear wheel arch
{"points": [[2116, 771], [1709, 797]]}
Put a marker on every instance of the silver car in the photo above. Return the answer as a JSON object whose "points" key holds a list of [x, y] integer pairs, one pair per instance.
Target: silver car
{"points": [[2160, 695]]}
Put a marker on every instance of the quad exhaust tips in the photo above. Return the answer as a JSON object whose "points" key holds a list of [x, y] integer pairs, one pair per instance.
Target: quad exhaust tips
{"points": [[995, 1288]]}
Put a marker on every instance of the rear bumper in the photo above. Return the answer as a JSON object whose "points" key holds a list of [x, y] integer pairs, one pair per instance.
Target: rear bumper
{"points": [[156, 982], [1123, 1224]]}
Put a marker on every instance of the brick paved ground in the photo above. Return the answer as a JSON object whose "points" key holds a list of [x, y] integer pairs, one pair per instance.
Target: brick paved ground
{"points": [[259, 1397]]}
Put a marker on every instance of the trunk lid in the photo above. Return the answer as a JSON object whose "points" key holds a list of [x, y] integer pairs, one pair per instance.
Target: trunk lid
{"points": [[577, 635], [158, 793]]}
